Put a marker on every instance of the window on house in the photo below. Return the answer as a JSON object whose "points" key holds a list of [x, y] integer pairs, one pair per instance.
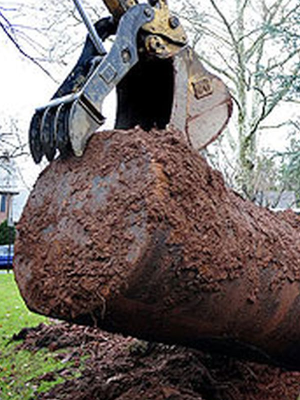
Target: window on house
{"points": [[3, 203]]}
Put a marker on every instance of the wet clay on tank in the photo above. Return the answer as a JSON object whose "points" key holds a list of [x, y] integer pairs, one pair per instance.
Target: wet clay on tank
{"points": [[141, 236]]}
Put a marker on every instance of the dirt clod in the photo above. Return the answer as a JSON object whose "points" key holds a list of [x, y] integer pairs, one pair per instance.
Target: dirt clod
{"points": [[113, 372]]}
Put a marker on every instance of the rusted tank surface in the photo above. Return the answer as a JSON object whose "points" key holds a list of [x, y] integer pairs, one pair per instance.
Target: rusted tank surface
{"points": [[142, 237]]}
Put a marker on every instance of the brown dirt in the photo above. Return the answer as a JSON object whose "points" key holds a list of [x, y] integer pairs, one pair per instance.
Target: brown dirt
{"points": [[128, 369], [141, 236]]}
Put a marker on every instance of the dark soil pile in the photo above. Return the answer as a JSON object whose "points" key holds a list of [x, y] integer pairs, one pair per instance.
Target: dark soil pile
{"points": [[129, 369]]}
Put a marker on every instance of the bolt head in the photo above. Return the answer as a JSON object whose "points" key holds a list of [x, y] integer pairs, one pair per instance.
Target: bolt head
{"points": [[126, 55], [174, 22], [148, 12]]}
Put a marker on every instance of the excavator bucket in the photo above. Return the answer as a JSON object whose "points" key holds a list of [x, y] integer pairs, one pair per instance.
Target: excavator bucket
{"points": [[202, 104], [160, 83], [177, 92]]}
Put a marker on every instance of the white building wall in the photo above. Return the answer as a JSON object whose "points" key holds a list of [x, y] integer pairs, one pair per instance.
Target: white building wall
{"points": [[10, 185]]}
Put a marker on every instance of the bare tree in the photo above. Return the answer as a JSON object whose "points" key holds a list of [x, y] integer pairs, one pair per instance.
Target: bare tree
{"points": [[11, 140], [255, 46], [12, 147]]}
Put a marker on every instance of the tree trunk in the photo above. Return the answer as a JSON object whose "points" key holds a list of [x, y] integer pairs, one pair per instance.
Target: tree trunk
{"points": [[141, 236]]}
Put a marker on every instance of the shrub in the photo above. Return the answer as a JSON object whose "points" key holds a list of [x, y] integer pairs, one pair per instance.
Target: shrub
{"points": [[7, 233]]}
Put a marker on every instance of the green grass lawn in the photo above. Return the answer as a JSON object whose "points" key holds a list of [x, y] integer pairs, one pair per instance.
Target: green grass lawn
{"points": [[19, 369]]}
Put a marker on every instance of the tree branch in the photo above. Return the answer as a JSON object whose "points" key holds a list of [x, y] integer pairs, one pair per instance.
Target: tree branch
{"points": [[19, 48], [279, 96], [215, 68], [262, 114]]}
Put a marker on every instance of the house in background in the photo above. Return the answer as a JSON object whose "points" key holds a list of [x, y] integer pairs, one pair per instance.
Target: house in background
{"points": [[10, 191]]}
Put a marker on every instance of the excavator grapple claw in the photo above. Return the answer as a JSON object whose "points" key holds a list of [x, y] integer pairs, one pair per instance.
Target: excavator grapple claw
{"points": [[35, 144], [61, 125], [159, 79]]}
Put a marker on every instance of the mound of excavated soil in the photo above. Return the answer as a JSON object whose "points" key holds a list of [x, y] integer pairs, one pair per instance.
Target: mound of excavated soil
{"points": [[128, 369]]}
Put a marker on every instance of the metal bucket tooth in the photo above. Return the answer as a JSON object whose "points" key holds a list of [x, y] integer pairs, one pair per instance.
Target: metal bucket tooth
{"points": [[61, 123], [35, 144], [82, 123], [48, 133]]}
